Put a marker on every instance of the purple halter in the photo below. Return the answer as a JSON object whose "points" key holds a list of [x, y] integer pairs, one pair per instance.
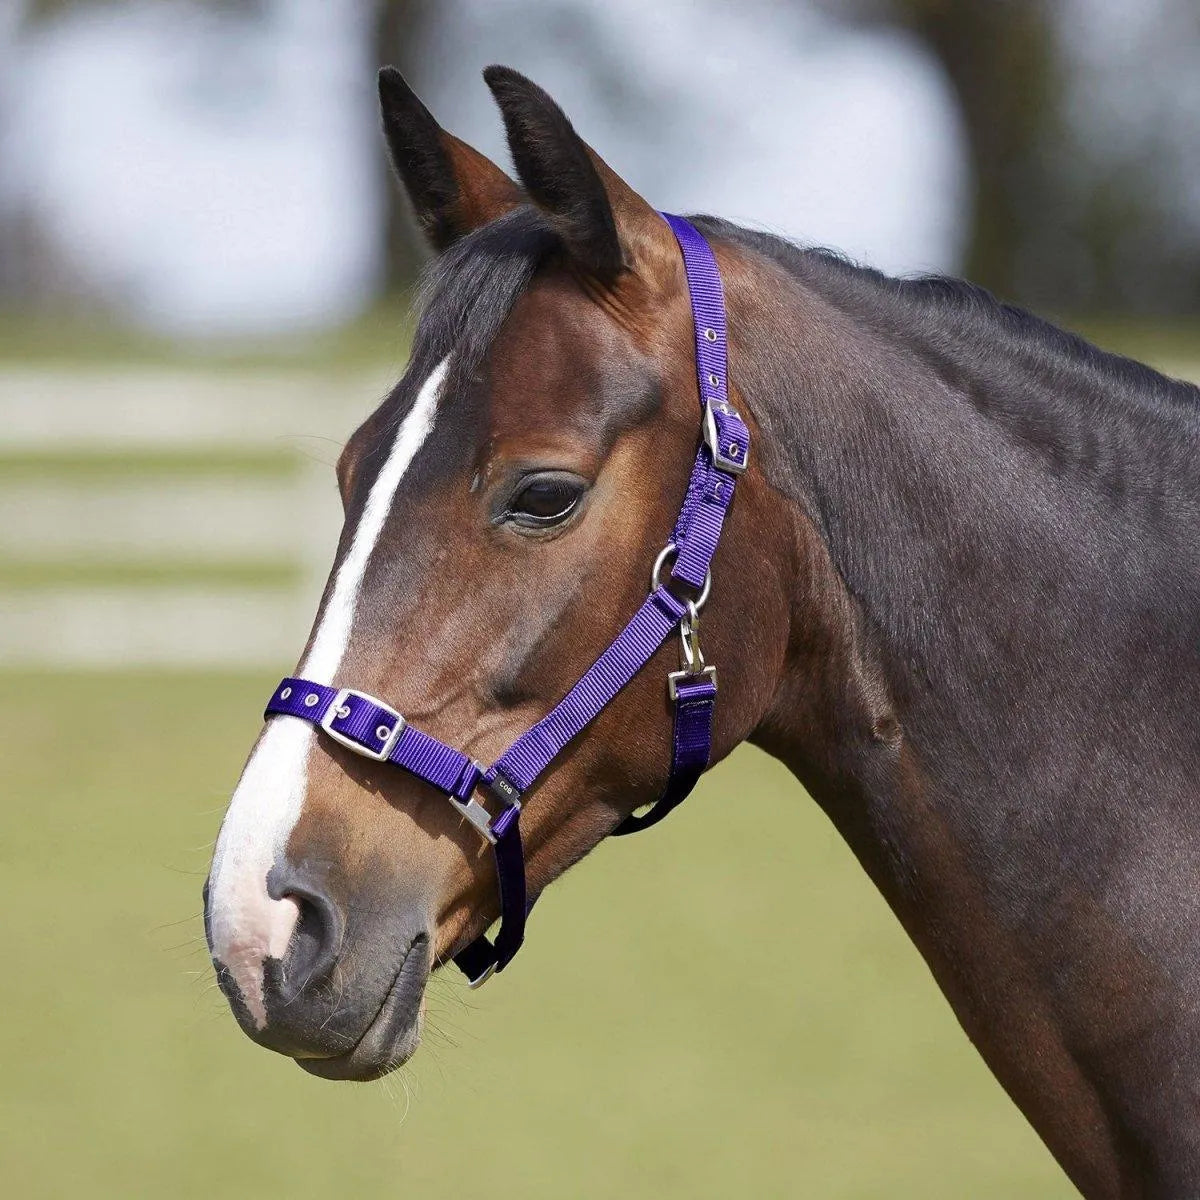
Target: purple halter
{"points": [[371, 728]]}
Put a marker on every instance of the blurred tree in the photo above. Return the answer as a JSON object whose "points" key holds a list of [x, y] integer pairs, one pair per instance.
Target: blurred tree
{"points": [[398, 36], [1056, 220], [1001, 58], [396, 33]]}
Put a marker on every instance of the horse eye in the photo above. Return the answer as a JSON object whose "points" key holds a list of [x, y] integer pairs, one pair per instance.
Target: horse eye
{"points": [[545, 501]]}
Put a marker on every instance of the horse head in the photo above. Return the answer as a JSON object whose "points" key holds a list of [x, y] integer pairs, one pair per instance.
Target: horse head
{"points": [[503, 508]]}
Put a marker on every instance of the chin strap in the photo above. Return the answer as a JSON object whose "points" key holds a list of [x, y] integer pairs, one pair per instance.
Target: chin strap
{"points": [[371, 728]]}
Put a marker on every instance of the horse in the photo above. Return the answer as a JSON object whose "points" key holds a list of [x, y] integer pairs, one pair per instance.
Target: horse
{"points": [[957, 594]]}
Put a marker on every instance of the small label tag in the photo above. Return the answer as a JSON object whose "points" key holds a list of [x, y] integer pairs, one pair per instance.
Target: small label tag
{"points": [[507, 791]]}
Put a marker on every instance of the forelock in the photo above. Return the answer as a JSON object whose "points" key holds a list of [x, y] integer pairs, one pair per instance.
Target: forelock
{"points": [[467, 291]]}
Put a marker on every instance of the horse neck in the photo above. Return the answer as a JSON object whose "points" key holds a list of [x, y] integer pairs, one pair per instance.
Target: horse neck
{"points": [[962, 700]]}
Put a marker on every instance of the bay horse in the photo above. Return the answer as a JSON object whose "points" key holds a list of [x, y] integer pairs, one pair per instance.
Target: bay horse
{"points": [[958, 594]]}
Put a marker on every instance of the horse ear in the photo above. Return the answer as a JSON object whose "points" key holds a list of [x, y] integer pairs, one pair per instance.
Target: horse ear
{"points": [[453, 188], [606, 226]]}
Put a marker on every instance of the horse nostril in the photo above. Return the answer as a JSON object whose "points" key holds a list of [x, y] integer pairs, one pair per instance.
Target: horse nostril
{"points": [[316, 940]]}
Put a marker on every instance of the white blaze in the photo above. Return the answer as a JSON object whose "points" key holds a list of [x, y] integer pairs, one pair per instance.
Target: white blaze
{"points": [[246, 924]]}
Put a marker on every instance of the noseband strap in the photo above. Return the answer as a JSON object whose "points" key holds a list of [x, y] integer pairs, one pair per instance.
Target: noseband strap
{"points": [[371, 728]]}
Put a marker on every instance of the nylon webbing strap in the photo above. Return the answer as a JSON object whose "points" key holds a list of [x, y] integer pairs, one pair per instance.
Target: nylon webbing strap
{"points": [[691, 746], [710, 489], [534, 750]]}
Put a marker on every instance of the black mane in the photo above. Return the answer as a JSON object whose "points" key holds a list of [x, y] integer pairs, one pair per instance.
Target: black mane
{"points": [[942, 312], [467, 292]]}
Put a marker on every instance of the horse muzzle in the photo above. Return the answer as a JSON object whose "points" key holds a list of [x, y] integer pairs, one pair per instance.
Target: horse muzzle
{"points": [[343, 1005]]}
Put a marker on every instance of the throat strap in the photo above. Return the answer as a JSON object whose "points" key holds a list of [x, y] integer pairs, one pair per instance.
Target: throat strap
{"points": [[691, 746]]}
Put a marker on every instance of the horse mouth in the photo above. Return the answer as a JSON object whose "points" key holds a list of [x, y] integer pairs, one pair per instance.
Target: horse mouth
{"points": [[392, 1036]]}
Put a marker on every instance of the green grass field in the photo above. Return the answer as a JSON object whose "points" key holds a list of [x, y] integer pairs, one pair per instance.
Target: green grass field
{"points": [[722, 1007]]}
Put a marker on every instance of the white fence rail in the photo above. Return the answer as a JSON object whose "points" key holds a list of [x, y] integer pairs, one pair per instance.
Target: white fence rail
{"points": [[110, 556]]}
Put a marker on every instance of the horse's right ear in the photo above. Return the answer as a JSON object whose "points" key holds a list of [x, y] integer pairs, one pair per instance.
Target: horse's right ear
{"points": [[453, 188], [606, 227]]}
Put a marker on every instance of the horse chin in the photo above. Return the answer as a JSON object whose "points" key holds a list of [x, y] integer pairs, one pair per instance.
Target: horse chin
{"points": [[392, 1037]]}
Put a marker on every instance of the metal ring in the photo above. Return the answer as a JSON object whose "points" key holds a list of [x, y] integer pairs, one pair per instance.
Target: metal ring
{"points": [[661, 561]]}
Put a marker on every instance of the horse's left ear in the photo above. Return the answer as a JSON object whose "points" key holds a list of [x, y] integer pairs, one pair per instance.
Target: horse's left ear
{"points": [[453, 188], [606, 226]]}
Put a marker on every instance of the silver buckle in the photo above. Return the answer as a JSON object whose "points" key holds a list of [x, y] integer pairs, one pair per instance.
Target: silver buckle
{"points": [[691, 656], [721, 453], [479, 816], [335, 711], [675, 678]]}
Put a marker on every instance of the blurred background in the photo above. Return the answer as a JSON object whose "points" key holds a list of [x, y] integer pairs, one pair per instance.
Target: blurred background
{"points": [[204, 284]]}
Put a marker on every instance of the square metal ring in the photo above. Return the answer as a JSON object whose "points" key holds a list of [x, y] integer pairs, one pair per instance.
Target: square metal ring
{"points": [[675, 678], [476, 814]]}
